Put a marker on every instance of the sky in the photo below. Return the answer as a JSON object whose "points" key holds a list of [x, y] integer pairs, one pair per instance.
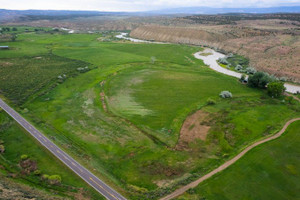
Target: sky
{"points": [[136, 5]]}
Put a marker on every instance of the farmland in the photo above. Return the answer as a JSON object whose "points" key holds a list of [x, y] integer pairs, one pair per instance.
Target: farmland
{"points": [[122, 119]]}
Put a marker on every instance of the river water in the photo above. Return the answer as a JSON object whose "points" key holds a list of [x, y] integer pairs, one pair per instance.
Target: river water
{"points": [[211, 61]]}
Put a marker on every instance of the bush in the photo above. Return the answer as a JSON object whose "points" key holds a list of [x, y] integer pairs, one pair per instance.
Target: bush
{"points": [[283, 79], [45, 177], [223, 61], [259, 80], [54, 179], [225, 94], [289, 99], [210, 102], [238, 67], [2, 148], [24, 157], [83, 69], [250, 70], [37, 172], [230, 55], [276, 89], [243, 78]]}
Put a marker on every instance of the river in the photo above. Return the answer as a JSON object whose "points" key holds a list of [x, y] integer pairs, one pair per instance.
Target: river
{"points": [[210, 59]]}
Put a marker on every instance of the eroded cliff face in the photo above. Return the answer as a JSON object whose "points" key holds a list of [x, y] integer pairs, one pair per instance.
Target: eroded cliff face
{"points": [[176, 35], [271, 50]]}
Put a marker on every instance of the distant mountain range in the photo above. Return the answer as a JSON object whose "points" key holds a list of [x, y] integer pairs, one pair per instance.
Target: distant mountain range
{"points": [[6, 15], [209, 10]]}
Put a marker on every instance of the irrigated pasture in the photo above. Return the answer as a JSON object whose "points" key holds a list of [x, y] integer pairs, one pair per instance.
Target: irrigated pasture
{"points": [[23, 77], [122, 120]]}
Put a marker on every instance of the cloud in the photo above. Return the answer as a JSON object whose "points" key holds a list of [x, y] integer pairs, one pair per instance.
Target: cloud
{"points": [[137, 5]]}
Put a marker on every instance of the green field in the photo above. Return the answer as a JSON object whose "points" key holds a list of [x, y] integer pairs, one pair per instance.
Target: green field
{"points": [[27, 76], [270, 171], [18, 142], [129, 137]]}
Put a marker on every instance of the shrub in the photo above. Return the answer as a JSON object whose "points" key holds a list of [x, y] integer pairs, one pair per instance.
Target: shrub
{"points": [[259, 80], [283, 79], [250, 70], [225, 94], [238, 67], [2, 148], [243, 78], [83, 69], [289, 99], [45, 176], [230, 55], [153, 59], [223, 61], [37, 172], [276, 89], [210, 102], [54, 179], [24, 157]]}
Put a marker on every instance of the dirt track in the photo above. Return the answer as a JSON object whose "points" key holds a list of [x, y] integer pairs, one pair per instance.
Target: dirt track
{"points": [[180, 191]]}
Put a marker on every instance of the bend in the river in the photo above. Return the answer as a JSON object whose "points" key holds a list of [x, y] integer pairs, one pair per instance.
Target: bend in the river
{"points": [[210, 58]]}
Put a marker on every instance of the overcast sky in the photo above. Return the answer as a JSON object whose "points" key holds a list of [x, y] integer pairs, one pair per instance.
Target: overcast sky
{"points": [[136, 5]]}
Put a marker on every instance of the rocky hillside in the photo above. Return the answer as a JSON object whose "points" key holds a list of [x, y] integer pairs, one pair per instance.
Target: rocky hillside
{"points": [[271, 45]]}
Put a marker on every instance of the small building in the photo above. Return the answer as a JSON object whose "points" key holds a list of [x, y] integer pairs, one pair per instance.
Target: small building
{"points": [[4, 47]]}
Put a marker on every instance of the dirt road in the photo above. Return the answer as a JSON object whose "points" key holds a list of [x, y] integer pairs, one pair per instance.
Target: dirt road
{"points": [[180, 191]]}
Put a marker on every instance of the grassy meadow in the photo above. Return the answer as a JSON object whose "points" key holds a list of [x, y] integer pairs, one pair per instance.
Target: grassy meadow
{"points": [[23, 77], [122, 119], [270, 171], [18, 142]]}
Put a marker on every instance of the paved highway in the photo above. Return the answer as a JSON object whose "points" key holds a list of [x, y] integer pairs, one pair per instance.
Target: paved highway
{"points": [[85, 174]]}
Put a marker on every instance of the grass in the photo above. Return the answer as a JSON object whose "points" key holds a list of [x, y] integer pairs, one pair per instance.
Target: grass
{"points": [[152, 97], [18, 142], [131, 146], [25, 76], [271, 170]]}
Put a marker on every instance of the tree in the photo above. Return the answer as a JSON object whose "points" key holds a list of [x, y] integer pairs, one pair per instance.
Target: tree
{"points": [[259, 80], [243, 78], [13, 37], [14, 29], [276, 89]]}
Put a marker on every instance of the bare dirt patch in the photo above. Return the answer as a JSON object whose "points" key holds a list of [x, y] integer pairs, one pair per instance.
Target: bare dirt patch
{"points": [[193, 128]]}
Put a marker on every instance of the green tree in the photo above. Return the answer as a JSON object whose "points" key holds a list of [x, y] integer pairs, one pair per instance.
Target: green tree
{"points": [[14, 29], [13, 37], [276, 89], [259, 80]]}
